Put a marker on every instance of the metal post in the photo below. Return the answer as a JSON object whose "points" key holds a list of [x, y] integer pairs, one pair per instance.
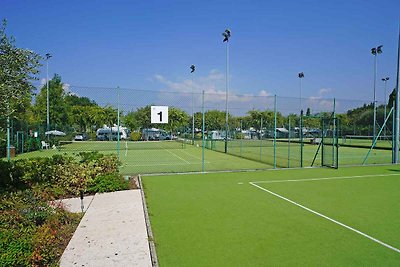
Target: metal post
{"points": [[118, 122], [289, 144], [275, 133], [226, 96], [301, 76], [301, 138], [397, 127], [385, 103], [334, 132], [384, 109], [301, 88], [193, 68], [192, 112], [203, 134], [48, 56], [241, 137], [261, 127], [375, 70], [375, 51]]}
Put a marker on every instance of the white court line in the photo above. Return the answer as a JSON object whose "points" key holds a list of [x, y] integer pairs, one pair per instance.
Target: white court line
{"points": [[328, 218], [327, 178], [163, 164], [176, 156], [191, 155]]}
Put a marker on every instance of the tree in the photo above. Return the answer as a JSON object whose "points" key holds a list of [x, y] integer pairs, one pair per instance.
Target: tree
{"points": [[58, 108], [177, 119], [18, 68]]}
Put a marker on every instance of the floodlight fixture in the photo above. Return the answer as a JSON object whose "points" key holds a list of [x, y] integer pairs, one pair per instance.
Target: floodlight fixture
{"points": [[48, 55], [192, 68], [301, 75], [379, 49], [226, 34]]}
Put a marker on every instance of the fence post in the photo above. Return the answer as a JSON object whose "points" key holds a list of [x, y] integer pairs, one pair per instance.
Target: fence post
{"points": [[203, 134], [275, 132], [301, 138], [241, 137], [289, 144], [118, 121], [261, 126]]}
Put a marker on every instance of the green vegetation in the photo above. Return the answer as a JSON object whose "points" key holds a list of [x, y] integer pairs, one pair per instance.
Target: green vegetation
{"points": [[33, 232], [222, 220]]}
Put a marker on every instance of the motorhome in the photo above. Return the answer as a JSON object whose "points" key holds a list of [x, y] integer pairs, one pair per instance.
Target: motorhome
{"points": [[111, 133], [154, 134]]}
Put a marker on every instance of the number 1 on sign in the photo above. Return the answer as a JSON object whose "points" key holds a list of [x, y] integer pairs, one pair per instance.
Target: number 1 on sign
{"points": [[159, 114]]}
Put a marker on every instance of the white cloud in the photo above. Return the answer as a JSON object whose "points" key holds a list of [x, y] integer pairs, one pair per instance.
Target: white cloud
{"points": [[214, 85], [264, 93], [324, 91]]}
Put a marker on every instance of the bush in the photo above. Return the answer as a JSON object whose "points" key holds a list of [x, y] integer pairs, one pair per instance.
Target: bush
{"points": [[136, 136], [59, 175], [108, 183], [31, 232]]}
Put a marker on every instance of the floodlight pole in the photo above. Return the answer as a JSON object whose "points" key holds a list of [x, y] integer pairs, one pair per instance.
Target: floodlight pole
{"points": [[193, 68], [48, 56], [375, 51], [301, 76], [226, 34], [384, 102], [397, 114]]}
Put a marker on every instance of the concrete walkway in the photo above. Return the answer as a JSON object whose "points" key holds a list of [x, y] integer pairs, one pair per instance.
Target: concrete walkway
{"points": [[112, 233]]}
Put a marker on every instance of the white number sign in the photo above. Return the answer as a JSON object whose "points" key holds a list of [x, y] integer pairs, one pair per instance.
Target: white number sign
{"points": [[159, 114]]}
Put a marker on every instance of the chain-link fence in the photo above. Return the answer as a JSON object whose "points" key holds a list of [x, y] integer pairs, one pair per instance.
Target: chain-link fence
{"points": [[260, 132]]}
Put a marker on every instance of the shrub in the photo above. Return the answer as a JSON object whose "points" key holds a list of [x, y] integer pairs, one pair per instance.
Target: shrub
{"points": [[108, 183], [136, 136]]}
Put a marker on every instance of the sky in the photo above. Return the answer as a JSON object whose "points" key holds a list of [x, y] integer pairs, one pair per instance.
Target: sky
{"points": [[150, 45]]}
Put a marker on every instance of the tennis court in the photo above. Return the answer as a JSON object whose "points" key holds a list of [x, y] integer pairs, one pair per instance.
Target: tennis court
{"points": [[180, 156], [156, 156], [345, 217]]}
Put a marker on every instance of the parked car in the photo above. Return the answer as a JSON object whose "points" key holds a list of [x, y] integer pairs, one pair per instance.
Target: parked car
{"points": [[81, 137]]}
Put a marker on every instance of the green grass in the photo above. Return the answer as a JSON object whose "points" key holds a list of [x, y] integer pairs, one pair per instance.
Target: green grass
{"points": [[157, 159], [166, 157], [289, 155], [222, 220]]}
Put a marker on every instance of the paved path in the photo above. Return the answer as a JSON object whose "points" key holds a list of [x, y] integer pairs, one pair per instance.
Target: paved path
{"points": [[111, 233]]}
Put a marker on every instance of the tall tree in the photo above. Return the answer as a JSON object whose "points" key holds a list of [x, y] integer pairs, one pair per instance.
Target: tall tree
{"points": [[18, 69], [58, 108], [177, 119]]}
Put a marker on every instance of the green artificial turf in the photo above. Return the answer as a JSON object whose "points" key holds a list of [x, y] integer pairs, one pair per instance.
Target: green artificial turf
{"points": [[222, 220], [172, 157]]}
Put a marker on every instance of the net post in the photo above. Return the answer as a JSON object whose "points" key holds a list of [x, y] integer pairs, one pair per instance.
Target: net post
{"points": [[275, 108]]}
